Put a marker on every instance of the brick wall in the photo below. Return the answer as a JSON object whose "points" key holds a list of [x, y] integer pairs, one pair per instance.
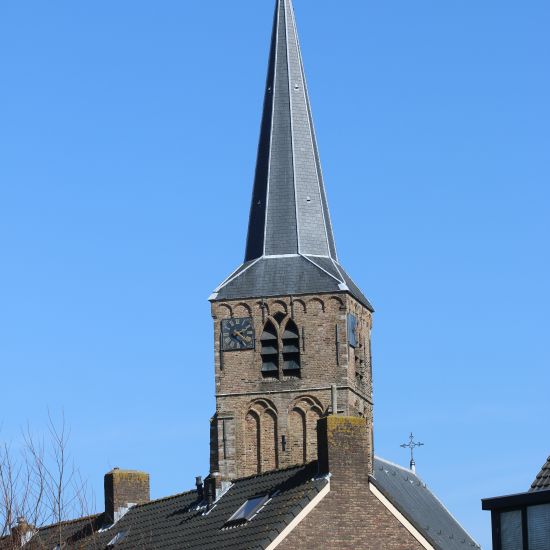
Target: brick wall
{"points": [[349, 516], [124, 487], [262, 423]]}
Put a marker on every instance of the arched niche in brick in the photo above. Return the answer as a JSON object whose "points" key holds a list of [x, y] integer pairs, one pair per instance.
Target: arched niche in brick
{"points": [[242, 310], [303, 416], [261, 453], [225, 310], [316, 305], [336, 301], [278, 306], [297, 444], [299, 307]]}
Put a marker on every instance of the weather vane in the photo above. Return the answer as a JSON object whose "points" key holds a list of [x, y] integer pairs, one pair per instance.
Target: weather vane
{"points": [[412, 446]]}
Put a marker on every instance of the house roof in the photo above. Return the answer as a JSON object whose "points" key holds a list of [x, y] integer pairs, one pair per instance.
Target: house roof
{"points": [[290, 247], [410, 495], [542, 481], [181, 522]]}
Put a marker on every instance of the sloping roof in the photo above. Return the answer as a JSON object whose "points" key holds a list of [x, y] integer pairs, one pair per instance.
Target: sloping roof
{"points": [[288, 276], [542, 481], [73, 532], [181, 522], [410, 495], [290, 248]]}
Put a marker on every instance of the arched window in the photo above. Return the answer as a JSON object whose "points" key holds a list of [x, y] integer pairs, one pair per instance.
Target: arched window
{"points": [[291, 350], [270, 351]]}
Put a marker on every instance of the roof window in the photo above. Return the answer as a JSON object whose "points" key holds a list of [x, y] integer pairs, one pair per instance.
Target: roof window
{"points": [[247, 511], [119, 537]]}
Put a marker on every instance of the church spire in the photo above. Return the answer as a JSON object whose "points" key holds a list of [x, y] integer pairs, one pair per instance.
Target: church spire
{"points": [[289, 212], [290, 248]]}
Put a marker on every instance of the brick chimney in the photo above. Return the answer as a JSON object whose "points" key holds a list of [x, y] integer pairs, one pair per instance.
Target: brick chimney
{"points": [[22, 532], [123, 489], [345, 449]]}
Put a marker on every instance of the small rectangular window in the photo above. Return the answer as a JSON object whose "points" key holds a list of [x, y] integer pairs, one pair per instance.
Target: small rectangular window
{"points": [[511, 533], [538, 527], [352, 330], [247, 511]]}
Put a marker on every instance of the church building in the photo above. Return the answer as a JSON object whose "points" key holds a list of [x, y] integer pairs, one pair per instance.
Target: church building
{"points": [[292, 463]]}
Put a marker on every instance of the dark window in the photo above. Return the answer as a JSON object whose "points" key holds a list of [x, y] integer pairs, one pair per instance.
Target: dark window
{"points": [[538, 522], [511, 533], [352, 330], [279, 316], [291, 350], [270, 351]]}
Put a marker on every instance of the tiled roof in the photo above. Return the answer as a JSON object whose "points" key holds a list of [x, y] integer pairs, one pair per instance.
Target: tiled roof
{"points": [[410, 495], [181, 523], [74, 532], [542, 481]]}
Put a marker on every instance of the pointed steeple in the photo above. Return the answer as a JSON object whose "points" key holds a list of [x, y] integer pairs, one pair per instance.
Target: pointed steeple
{"points": [[289, 212], [290, 248]]}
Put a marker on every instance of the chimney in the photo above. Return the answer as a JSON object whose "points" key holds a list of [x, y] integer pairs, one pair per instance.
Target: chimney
{"points": [[345, 449], [124, 489], [22, 532], [200, 488]]}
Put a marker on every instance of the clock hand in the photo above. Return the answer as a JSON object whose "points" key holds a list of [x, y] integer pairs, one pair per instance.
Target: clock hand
{"points": [[242, 336]]}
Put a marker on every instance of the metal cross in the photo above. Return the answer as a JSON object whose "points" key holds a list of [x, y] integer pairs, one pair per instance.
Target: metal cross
{"points": [[412, 445]]}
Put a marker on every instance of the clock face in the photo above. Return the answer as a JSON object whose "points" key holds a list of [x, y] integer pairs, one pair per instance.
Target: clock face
{"points": [[237, 334]]}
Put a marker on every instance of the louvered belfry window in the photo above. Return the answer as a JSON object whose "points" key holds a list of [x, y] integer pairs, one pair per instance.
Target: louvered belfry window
{"points": [[291, 350], [270, 351]]}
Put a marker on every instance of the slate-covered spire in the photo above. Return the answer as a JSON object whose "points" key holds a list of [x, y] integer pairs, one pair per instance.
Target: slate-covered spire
{"points": [[289, 212], [290, 248]]}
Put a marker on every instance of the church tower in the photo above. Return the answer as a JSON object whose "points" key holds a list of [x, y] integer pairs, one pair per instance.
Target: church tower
{"points": [[292, 330]]}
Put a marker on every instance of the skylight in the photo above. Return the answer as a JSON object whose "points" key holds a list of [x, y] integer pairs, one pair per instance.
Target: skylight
{"points": [[247, 511], [119, 537]]}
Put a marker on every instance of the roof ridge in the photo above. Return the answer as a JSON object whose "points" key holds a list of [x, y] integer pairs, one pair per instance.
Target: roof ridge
{"points": [[275, 471], [191, 491], [322, 268], [70, 521], [162, 499], [395, 465]]}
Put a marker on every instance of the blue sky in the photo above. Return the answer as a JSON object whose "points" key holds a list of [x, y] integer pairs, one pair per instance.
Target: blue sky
{"points": [[128, 133]]}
